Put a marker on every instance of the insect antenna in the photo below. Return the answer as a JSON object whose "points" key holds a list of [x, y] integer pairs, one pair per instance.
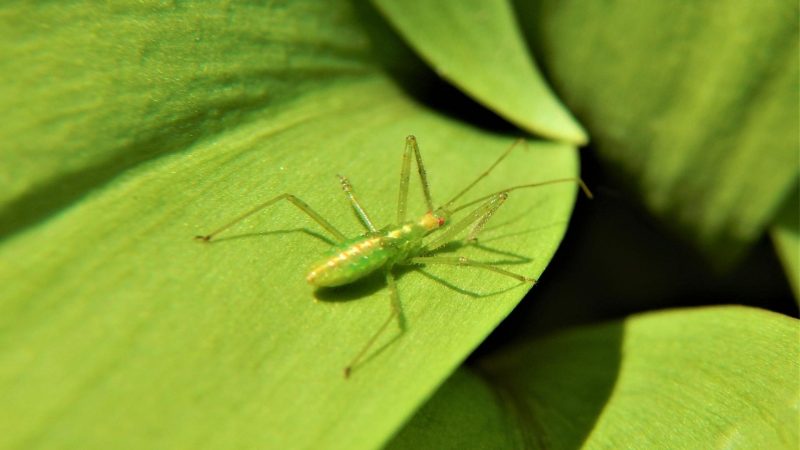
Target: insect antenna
{"points": [[580, 182], [449, 204]]}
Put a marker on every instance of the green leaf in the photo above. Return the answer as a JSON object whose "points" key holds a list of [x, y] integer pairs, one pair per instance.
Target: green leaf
{"points": [[786, 237], [97, 91], [138, 126], [478, 46], [694, 105], [701, 378], [464, 413]]}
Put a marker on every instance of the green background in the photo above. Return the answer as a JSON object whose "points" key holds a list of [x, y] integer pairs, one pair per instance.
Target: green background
{"points": [[132, 126]]}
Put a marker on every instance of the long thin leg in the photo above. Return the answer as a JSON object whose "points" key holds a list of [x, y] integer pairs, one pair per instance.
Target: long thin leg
{"points": [[395, 312], [359, 210], [477, 227], [461, 261], [291, 198], [405, 171], [483, 175], [476, 219]]}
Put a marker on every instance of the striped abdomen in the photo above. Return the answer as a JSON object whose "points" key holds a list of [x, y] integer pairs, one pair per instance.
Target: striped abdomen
{"points": [[350, 261]]}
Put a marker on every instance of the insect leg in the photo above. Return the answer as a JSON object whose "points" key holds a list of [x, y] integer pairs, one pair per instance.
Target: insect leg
{"points": [[405, 170], [461, 261], [476, 219], [395, 312], [359, 210], [293, 200]]}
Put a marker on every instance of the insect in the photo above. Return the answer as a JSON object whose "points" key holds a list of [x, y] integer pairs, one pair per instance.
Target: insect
{"points": [[407, 242]]}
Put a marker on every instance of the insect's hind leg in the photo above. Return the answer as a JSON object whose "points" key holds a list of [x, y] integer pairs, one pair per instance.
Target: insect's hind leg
{"points": [[303, 206], [461, 261], [395, 312]]}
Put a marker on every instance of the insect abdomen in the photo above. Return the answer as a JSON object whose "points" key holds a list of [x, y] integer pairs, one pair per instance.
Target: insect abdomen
{"points": [[348, 262]]}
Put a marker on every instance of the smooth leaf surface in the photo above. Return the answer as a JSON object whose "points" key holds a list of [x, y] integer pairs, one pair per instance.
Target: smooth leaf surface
{"points": [[478, 46], [465, 412], [120, 84], [786, 236], [695, 105], [117, 330], [722, 377]]}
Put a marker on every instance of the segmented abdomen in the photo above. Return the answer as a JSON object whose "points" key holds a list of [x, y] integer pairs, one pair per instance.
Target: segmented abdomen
{"points": [[349, 261]]}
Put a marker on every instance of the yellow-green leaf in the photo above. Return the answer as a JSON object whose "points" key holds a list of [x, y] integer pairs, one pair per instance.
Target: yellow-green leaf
{"points": [[693, 105], [137, 125], [786, 236], [477, 46], [702, 378]]}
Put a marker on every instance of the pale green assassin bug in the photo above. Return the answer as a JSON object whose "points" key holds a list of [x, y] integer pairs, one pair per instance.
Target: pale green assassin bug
{"points": [[403, 243]]}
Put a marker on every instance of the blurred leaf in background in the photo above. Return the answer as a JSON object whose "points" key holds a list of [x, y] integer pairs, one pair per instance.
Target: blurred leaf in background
{"points": [[786, 235], [703, 378], [478, 46], [692, 111], [693, 106]]}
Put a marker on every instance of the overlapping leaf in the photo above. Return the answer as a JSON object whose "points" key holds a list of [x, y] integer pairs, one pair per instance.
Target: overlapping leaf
{"points": [[714, 377], [477, 45], [694, 105], [137, 126], [786, 235]]}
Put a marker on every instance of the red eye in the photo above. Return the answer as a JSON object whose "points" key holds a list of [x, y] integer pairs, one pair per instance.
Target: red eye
{"points": [[441, 220]]}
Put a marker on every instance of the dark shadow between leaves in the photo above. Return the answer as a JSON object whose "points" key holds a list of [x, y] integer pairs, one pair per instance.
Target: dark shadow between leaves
{"points": [[557, 386], [549, 391], [419, 81]]}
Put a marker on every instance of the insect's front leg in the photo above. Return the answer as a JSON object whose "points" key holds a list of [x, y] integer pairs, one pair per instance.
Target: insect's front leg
{"points": [[361, 213], [475, 220]]}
